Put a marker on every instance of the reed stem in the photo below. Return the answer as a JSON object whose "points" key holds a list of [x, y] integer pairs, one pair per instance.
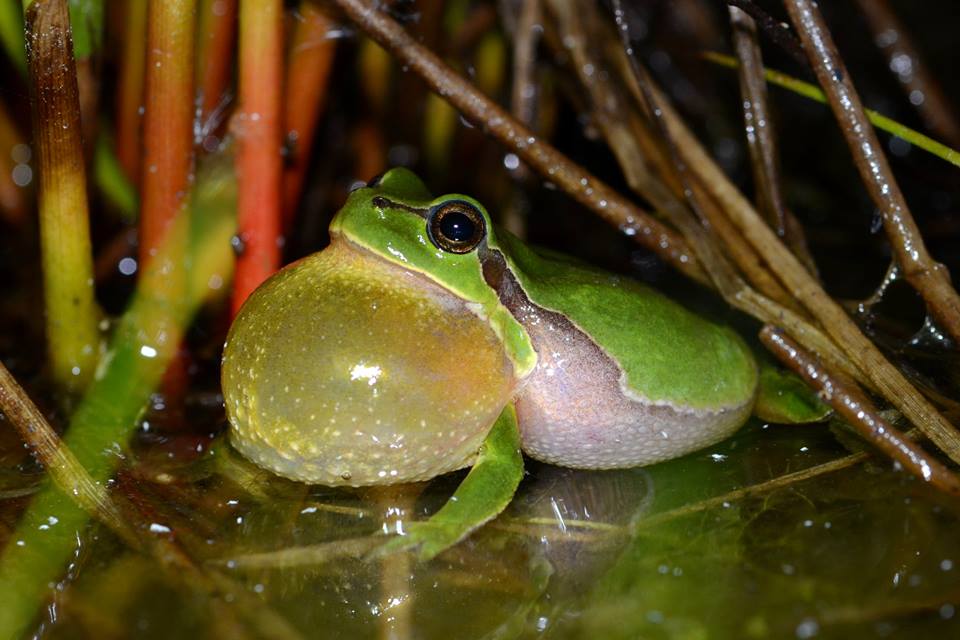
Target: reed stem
{"points": [[71, 312], [168, 120], [259, 160]]}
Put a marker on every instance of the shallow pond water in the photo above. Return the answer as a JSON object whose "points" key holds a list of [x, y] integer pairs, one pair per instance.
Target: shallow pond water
{"points": [[702, 547]]}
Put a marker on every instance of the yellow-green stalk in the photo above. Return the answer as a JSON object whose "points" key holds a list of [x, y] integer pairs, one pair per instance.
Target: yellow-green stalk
{"points": [[71, 312], [11, 34], [193, 256]]}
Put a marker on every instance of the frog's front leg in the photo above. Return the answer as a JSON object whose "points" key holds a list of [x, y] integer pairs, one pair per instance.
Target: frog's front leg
{"points": [[483, 494]]}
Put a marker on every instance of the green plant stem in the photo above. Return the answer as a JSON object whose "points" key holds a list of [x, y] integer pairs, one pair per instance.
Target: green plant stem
{"points": [[11, 35], [112, 179], [879, 120], [146, 340], [71, 312], [86, 20]]}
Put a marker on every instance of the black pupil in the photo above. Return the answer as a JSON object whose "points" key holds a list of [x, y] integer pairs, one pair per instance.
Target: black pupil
{"points": [[457, 226]]}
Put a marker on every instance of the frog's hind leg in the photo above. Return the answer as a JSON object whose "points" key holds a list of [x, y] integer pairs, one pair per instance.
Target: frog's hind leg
{"points": [[483, 494]]}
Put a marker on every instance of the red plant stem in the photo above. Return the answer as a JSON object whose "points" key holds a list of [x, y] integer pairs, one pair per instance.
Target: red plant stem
{"points": [[308, 71], [168, 120], [259, 161], [130, 93], [217, 31], [13, 198]]}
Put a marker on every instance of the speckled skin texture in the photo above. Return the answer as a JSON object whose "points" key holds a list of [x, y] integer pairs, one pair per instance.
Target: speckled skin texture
{"points": [[572, 410], [344, 369]]}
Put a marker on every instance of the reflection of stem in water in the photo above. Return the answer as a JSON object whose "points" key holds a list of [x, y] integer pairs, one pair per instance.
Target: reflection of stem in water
{"points": [[395, 615]]}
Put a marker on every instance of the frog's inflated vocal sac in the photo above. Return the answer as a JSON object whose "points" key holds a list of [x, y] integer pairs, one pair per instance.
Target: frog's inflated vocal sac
{"points": [[387, 356]]}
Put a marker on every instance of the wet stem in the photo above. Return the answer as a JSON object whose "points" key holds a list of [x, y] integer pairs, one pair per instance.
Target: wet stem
{"points": [[71, 312], [259, 160]]}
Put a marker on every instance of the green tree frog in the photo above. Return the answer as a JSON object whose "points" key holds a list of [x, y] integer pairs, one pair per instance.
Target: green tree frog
{"points": [[389, 356]]}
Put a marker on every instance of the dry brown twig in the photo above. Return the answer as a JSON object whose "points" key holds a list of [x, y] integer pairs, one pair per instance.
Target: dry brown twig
{"points": [[850, 403], [761, 138], [928, 277]]}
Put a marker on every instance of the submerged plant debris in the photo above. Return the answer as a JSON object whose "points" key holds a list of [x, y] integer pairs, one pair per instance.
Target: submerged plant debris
{"points": [[779, 532]]}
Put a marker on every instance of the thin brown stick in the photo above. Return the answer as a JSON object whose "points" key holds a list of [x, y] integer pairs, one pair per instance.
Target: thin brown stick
{"points": [[761, 138], [860, 413], [775, 30], [904, 59], [539, 155], [61, 465], [523, 93], [929, 278]]}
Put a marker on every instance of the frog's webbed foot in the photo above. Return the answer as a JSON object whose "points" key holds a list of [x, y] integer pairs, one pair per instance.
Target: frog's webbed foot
{"points": [[483, 494]]}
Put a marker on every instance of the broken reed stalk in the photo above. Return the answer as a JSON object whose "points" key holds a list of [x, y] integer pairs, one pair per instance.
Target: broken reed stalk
{"points": [[130, 95], [71, 312], [168, 158], [761, 138], [259, 157], [930, 279], [216, 32], [859, 412], [904, 59], [538, 154], [308, 73]]}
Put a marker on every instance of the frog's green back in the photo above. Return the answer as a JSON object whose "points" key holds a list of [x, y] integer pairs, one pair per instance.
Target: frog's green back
{"points": [[668, 353]]}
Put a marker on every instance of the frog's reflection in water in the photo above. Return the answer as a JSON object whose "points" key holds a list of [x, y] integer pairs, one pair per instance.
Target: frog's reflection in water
{"points": [[562, 531]]}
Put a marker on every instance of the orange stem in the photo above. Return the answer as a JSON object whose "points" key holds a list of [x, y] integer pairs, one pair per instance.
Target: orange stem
{"points": [[15, 172], [308, 73], [168, 120], [259, 161], [130, 93], [217, 30]]}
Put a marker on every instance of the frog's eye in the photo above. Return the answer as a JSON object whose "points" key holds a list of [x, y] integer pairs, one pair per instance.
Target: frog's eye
{"points": [[456, 226]]}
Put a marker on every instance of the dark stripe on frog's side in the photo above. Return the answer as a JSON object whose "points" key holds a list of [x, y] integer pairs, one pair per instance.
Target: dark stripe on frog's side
{"points": [[381, 202], [572, 408]]}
